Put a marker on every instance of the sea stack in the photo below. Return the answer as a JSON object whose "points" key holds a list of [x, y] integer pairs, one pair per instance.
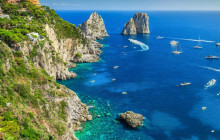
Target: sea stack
{"points": [[94, 27], [139, 24]]}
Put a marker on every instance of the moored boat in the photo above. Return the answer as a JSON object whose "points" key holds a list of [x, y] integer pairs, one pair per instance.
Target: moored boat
{"points": [[173, 42], [199, 46], [217, 44], [211, 57], [160, 37], [185, 84], [177, 51]]}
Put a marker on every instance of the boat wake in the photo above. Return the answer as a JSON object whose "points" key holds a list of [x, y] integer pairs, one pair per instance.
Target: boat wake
{"points": [[210, 68], [143, 46], [191, 40]]}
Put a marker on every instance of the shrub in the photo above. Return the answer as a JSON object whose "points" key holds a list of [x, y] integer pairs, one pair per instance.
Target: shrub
{"points": [[22, 90], [78, 55]]}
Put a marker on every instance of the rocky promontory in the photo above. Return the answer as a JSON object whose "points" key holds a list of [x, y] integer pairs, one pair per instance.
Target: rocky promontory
{"points": [[132, 119], [139, 24], [94, 27]]}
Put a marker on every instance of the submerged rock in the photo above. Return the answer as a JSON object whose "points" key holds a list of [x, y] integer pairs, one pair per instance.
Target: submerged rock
{"points": [[94, 27], [139, 24], [132, 119]]}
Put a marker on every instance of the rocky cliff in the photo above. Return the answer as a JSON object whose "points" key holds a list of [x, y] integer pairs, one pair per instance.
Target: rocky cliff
{"points": [[129, 28], [94, 27], [31, 102], [139, 24]]}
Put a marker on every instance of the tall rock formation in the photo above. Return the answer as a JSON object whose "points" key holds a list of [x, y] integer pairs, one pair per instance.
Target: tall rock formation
{"points": [[139, 24], [94, 27], [129, 28]]}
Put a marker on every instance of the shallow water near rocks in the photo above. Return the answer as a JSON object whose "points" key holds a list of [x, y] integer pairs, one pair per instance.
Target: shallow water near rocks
{"points": [[150, 78]]}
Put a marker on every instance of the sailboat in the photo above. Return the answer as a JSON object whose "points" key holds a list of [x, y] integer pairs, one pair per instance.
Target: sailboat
{"points": [[177, 51], [199, 46]]}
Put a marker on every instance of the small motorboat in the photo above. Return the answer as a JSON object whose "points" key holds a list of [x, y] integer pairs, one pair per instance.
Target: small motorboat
{"points": [[115, 67], [173, 42], [197, 47], [210, 83], [125, 46], [160, 37], [124, 93], [217, 44], [185, 84], [204, 108], [92, 81], [113, 80], [211, 57], [212, 131]]}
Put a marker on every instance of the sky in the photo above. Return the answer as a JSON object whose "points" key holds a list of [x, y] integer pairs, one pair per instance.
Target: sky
{"points": [[132, 4]]}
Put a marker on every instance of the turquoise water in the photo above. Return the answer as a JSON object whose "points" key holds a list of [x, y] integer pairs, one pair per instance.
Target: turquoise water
{"points": [[150, 78]]}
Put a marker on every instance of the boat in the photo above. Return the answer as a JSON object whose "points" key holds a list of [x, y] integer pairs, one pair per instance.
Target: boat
{"points": [[173, 42], [124, 93], [217, 44], [204, 108], [177, 51], [210, 83], [211, 57], [199, 46], [185, 84], [115, 67], [92, 81], [160, 37], [113, 80]]}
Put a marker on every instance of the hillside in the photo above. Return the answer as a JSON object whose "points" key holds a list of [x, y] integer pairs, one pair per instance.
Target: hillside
{"points": [[37, 47]]}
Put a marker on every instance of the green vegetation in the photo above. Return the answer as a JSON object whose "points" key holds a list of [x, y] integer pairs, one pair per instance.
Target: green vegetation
{"points": [[24, 99], [78, 55], [34, 19], [28, 105]]}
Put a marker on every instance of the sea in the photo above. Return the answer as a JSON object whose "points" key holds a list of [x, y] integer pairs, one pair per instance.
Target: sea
{"points": [[149, 73]]}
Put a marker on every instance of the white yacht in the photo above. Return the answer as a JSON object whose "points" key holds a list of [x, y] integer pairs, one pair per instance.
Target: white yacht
{"points": [[173, 42]]}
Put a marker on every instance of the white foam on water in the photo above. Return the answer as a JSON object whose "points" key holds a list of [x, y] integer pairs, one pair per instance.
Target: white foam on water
{"points": [[192, 40], [210, 68], [143, 46]]}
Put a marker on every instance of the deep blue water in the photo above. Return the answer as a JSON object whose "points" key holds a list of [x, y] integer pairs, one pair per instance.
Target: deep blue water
{"points": [[150, 78]]}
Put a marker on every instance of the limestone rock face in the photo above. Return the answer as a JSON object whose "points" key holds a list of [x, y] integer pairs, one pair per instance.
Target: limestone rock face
{"points": [[94, 27], [129, 28], [139, 24], [132, 119]]}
